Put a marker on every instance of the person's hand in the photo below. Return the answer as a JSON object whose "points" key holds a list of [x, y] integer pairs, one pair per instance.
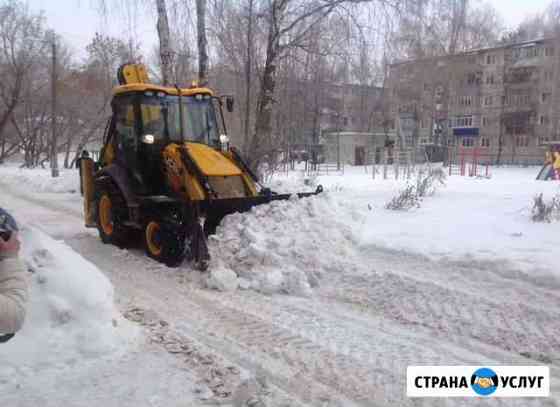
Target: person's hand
{"points": [[10, 247]]}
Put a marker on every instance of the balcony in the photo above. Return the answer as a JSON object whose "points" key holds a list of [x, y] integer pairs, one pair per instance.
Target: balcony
{"points": [[524, 75]]}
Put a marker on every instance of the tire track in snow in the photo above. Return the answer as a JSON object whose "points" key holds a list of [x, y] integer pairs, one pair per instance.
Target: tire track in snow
{"points": [[319, 367], [207, 320], [508, 320]]}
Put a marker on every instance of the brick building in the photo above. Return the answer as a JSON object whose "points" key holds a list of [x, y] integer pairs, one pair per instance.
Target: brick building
{"points": [[505, 101]]}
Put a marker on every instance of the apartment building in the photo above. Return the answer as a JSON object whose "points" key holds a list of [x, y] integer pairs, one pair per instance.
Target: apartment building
{"points": [[504, 101]]}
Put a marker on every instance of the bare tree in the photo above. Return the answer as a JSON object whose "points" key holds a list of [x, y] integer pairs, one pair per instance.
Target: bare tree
{"points": [[22, 42], [202, 42], [444, 27], [165, 48], [248, 71], [288, 23]]}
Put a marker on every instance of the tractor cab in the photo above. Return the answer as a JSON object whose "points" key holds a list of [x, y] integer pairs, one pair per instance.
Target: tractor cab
{"points": [[147, 118]]}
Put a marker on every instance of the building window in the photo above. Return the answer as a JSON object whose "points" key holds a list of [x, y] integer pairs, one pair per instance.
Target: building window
{"points": [[490, 59], [484, 142], [468, 142], [488, 101], [490, 79], [474, 78], [547, 75], [464, 121], [521, 141], [549, 51], [465, 100], [543, 120], [532, 52], [545, 96], [485, 121]]}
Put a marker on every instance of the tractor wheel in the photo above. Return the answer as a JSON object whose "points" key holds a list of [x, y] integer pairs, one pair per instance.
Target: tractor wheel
{"points": [[165, 243], [111, 213]]}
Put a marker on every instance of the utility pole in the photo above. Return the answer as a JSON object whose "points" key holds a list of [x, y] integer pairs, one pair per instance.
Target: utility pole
{"points": [[54, 150]]}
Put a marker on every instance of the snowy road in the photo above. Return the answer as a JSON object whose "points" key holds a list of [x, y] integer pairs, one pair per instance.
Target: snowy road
{"points": [[350, 342]]}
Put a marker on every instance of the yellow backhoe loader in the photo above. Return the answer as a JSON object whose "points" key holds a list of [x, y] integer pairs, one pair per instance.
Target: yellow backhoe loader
{"points": [[166, 170]]}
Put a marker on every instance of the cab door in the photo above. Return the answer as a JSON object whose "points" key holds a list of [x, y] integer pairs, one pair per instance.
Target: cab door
{"points": [[125, 135]]}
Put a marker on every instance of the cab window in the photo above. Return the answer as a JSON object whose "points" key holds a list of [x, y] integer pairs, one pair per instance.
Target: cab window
{"points": [[124, 124]]}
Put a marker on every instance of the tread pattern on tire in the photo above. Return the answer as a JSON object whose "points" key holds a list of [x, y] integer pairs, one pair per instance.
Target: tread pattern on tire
{"points": [[119, 212], [173, 247]]}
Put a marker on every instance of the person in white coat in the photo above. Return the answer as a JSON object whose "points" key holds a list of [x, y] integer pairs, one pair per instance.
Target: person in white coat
{"points": [[13, 287]]}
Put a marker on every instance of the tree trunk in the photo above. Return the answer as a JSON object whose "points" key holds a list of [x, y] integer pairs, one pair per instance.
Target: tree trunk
{"points": [[248, 74], [67, 152], [263, 123], [202, 42], [165, 51], [263, 120]]}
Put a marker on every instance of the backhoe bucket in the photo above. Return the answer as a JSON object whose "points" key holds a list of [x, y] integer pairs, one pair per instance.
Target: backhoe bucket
{"points": [[216, 209]]}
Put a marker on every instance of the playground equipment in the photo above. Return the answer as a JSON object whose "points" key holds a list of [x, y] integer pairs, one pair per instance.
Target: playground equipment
{"points": [[401, 162], [474, 162]]}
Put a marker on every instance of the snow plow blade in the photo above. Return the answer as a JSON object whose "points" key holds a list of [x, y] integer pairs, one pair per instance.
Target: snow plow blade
{"points": [[216, 209]]}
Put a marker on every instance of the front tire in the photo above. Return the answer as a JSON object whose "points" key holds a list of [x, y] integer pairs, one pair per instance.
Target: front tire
{"points": [[111, 213], [165, 243]]}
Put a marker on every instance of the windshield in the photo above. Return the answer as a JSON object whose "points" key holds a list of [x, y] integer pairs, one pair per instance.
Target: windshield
{"points": [[160, 117]]}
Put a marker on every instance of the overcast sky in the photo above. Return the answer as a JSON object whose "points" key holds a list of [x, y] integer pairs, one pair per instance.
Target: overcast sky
{"points": [[78, 20]]}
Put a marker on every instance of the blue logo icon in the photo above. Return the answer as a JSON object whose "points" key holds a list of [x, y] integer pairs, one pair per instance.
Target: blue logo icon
{"points": [[484, 381]]}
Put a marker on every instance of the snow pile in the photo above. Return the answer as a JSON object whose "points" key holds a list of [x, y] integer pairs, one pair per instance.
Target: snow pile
{"points": [[291, 182], [284, 246], [40, 180], [71, 316]]}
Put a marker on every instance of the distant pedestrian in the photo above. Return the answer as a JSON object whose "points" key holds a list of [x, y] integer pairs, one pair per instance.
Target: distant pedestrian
{"points": [[556, 163], [549, 156], [13, 287]]}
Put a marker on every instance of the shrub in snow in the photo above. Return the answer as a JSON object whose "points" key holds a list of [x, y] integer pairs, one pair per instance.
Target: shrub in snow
{"points": [[428, 181], [426, 185], [544, 211], [406, 199]]}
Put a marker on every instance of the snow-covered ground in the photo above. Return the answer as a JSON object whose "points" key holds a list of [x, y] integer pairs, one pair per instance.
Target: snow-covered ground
{"points": [[467, 278], [71, 310], [75, 348], [468, 218]]}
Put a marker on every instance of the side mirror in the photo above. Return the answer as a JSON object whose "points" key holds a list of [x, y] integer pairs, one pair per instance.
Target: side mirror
{"points": [[229, 103]]}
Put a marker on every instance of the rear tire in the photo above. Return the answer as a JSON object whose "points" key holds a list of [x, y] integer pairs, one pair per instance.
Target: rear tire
{"points": [[111, 213], [165, 243]]}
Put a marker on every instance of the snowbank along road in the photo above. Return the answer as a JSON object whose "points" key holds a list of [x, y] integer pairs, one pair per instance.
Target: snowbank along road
{"points": [[355, 316]]}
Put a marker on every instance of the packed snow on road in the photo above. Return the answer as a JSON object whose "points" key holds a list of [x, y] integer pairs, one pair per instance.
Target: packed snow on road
{"points": [[315, 301]]}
